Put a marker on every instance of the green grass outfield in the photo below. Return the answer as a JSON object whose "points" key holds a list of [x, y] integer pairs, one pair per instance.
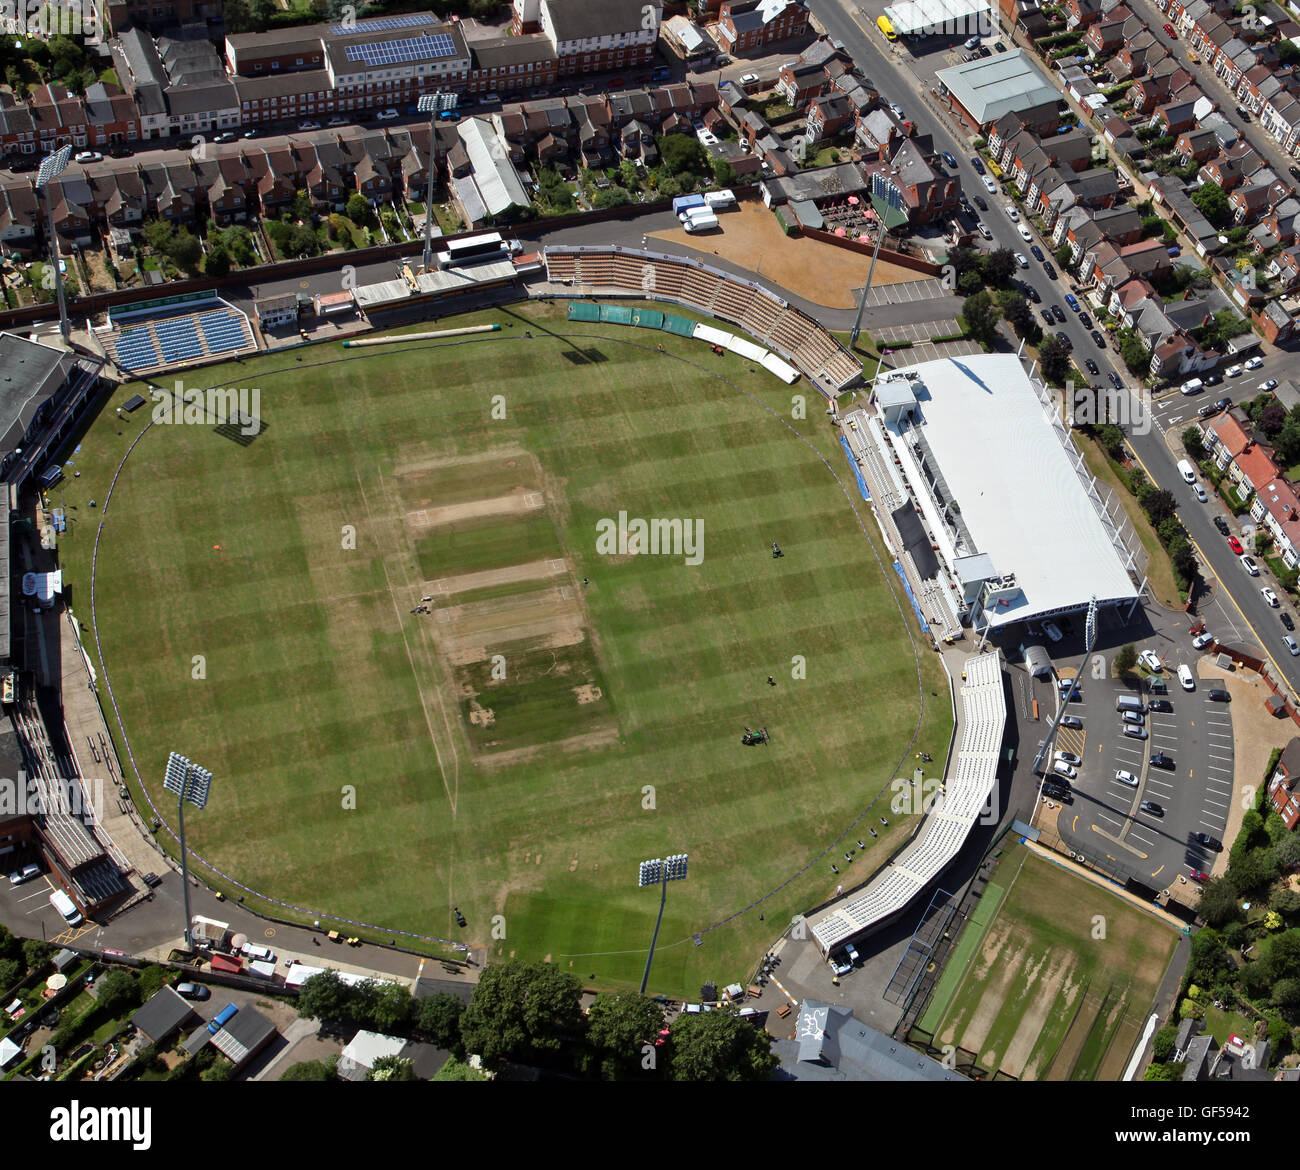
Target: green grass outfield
{"points": [[317, 682]]}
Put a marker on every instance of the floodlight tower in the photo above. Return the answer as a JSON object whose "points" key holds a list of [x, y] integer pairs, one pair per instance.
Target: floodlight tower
{"points": [[661, 871], [52, 166], [192, 783], [429, 104]]}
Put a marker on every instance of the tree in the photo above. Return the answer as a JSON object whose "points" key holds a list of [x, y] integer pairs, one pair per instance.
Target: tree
{"points": [[724, 174], [36, 952], [1220, 902], [1287, 441], [1054, 360], [1193, 444], [184, 250], [217, 263], [157, 234], [1212, 202], [719, 1046], [979, 317], [392, 1068], [1209, 957], [1164, 1072], [1064, 257], [302, 241], [118, 992], [521, 1011], [11, 970], [1162, 1044], [1126, 658], [458, 1070], [681, 153], [392, 1008], [358, 208], [618, 1026], [1253, 871], [1184, 560], [437, 1018], [611, 197], [999, 266], [310, 1070], [1158, 504], [238, 240], [627, 174], [1020, 316], [1111, 439], [1136, 355], [325, 997], [1272, 418], [1288, 53]]}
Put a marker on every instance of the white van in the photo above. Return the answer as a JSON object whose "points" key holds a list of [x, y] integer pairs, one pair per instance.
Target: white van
{"points": [[263, 954], [65, 906], [1130, 703], [1186, 470], [1191, 386], [1186, 678]]}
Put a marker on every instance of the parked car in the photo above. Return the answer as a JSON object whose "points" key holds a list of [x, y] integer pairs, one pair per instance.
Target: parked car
{"points": [[1047, 316], [1221, 524], [1150, 806], [1291, 644], [1267, 384], [1223, 404], [1072, 721], [193, 991], [1160, 760], [88, 156], [1036, 252], [1135, 717], [1133, 731], [1032, 293], [24, 875], [1060, 313], [1072, 302], [1091, 366], [1243, 113], [1050, 269], [1012, 213], [977, 164], [1126, 778], [1198, 875], [1254, 363], [1068, 758], [1270, 597], [1085, 320], [1186, 679], [1163, 705], [948, 159], [308, 125], [1052, 630], [1151, 660], [1287, 621], [228, 136], [390, 114], [1202, 640], [1235, 545], [1025, 233], [1064, 340], [337, 121], [981, 203], [1218, 695], [1213, 379], [897, 111], [1248, 563], [1170, 31], [1097, 339], [1234, 371], [990, 186], [1022, 260], [1116, 380], [984, 231], [1208, 841], [253, 133], [1057, 792]]}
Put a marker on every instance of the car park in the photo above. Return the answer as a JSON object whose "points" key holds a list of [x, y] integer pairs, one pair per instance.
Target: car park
{"points": [[1091, 366], [1287, 620], [1150, 806], [1151, 660], [1235, 545], [1058, 313], [1160, 760], [1097, 339], [1162, 705], [1072, 721], [1185, 677], [1126, 777], [1133, 731], [1270, 597], [1254, 363], [1067, 758], [981, 203], [1248, 563], [1291, 644], [1202, 640]]}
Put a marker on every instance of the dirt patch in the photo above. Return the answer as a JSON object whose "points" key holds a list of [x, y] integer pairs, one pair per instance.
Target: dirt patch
{"points": [[1042, 999], [479, 715], [570, 746], [517, 503], [819, 272], [488, 578], [587, 693]]}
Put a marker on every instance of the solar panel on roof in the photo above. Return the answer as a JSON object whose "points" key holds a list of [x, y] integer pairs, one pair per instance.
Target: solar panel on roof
{"points": [[405, 49], [382, 23]]}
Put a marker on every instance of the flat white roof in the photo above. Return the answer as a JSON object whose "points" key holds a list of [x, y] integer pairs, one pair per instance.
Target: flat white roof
{"points": [[952, 16], [1020, 493]]}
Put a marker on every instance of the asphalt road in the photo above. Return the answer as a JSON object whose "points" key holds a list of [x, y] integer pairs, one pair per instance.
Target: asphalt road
{"points": [[895, 83]]}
